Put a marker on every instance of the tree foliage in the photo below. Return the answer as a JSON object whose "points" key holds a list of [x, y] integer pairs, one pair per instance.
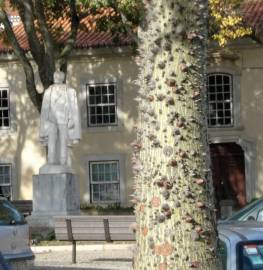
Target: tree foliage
{"points": [[226, 21], [49, 44]]}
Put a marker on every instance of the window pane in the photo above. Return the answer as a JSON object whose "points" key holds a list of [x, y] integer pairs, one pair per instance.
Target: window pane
{"points": [[104, 90], [219, 79], [98, 90], [220, 106], [91, 90], [103, 173], [211, 79], [92, 100], [105, 99], [111, 89], [93, 120], [226, 88], [226, 80], [99, 119], [6, 122], [112, 109], [4, 103], [212, 89], [219, 99], [106, 119], [103, 96], [92, 110], [98, 99], [5, 113], [105, 110], [99, 110], [112, 118], [219, 89], [111, 99]]}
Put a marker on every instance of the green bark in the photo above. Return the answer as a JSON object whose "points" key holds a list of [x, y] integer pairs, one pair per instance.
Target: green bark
{"points": [[176, 226]]}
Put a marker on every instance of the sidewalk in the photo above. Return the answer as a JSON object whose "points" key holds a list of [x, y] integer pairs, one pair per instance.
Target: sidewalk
{"points": [[89, 257]]}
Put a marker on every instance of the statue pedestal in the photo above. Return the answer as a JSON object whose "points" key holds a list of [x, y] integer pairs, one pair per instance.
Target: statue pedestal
{"points": [[54, 195]]}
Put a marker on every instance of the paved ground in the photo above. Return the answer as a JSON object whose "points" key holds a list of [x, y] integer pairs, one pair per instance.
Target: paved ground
{"points": [[89, 257]]}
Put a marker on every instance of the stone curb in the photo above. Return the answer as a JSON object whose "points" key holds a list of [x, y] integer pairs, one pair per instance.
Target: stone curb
{"points": [[99, 247]]}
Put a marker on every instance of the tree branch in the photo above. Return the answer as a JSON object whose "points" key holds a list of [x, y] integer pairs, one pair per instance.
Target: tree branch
{"points": [[125, 23], [48, 40], [70, 42], [30, 78], [26, 14]]}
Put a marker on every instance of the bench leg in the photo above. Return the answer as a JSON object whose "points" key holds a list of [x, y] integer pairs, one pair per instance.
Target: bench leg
{"points": [[74, 251]]}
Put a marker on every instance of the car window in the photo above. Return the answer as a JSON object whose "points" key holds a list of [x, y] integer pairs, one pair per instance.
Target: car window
{"points": [[250, 256], [222, 249], [9, 215], [260, 215], [250, 210]]}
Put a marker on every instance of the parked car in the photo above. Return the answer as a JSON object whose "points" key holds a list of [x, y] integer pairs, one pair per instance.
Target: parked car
{"points": [[14, 237], [241, 245], [253, 211]]}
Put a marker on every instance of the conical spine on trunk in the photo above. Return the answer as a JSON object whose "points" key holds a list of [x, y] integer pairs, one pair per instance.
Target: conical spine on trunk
{"points": [[173, 195]]}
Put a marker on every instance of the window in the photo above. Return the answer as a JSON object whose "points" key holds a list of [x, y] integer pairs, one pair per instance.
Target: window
{"points": [[102, 104], [220, 100], [5, 180], [4, 109], [105, 181]]}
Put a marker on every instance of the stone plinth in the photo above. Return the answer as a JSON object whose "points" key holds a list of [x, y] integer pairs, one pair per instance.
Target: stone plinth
{"points": [[54, 195]]}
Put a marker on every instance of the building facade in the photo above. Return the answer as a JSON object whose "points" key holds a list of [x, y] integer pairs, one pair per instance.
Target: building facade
{"points": [[105, 82]]}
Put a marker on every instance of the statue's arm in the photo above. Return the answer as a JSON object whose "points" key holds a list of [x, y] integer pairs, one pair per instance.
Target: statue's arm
{"points": [[44, 114], [75, 115]]}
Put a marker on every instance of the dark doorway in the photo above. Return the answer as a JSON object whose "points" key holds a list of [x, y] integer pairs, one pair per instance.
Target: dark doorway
{"points": [[228, 170]]}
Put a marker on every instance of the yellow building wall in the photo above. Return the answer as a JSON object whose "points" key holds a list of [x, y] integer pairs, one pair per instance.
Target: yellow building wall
{"points": [[252, 107], [22, 147]]}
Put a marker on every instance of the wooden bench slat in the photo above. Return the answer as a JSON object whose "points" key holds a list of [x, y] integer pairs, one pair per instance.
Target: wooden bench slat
{"points": [[93, 228], [97, 218]]}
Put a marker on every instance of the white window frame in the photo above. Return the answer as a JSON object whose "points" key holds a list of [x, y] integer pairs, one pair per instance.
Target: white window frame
{"points": [[102, 183], [223, 101], [2, 127], [104, 158], [10, 177], [236, 76], [82, 98], [89, 106], [12, 108]]}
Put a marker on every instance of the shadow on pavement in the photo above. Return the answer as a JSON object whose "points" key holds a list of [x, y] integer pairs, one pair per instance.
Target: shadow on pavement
{"points": [[113, 260], [67, 268]]}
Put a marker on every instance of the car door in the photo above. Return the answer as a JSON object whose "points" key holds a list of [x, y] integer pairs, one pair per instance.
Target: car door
{"points": [[14, 231], [225, 253]]}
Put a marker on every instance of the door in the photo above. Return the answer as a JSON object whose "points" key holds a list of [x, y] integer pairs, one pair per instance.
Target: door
{"points": [[228, 170]]}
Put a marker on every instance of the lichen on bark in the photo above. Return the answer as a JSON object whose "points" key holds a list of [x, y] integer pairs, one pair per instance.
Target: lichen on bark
{"points": [[171, 155]]}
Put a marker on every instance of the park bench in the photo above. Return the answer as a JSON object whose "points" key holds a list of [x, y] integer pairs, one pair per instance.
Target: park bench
{"points": [[24, 206], [93, 228]]}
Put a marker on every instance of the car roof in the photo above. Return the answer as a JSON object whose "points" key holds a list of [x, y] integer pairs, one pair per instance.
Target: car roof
{"points": [[242, 231]]}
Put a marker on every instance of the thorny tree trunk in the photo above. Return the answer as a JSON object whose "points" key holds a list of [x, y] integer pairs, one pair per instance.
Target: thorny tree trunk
{"points": [[174, 196]]}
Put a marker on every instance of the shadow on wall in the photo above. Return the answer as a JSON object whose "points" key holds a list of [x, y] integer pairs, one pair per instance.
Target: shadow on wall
{"points": [[110, 68], [247, 66], [22, 145], [252, 115]]}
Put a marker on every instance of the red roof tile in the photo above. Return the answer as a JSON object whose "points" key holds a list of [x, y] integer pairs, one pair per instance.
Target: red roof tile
{"points": [[61, 30], [253, 14]]}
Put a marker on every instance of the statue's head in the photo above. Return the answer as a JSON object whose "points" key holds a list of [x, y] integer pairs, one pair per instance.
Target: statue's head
{"points": [[59, 76]]}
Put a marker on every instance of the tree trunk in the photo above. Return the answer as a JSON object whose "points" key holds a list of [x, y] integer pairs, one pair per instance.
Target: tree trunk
{"points": [[176, 226]]}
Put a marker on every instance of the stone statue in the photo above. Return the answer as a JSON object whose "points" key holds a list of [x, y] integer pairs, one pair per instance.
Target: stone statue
{"points": [[59, 124]]}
